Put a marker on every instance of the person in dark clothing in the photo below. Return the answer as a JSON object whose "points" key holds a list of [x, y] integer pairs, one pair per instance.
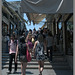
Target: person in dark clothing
{"points": [[21, 49]]}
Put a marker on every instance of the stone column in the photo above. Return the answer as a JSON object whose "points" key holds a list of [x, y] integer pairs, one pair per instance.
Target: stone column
{"points": [[57, 33], [52, 29], [63, 27], [0, 37], [74, 39], [54, 25], [9, 27]]}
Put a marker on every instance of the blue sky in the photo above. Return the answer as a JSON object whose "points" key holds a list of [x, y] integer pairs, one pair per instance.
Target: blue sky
{"points": [[36, 26], [30, 26]]}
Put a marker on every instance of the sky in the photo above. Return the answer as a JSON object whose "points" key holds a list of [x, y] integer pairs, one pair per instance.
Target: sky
{"points": [[36, 26]]}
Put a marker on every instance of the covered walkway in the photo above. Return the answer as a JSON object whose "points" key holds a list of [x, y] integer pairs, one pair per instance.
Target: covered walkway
{"points": [[64, 35]]}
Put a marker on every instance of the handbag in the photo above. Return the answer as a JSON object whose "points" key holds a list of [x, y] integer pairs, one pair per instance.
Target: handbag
{"points": [[28, 56]]}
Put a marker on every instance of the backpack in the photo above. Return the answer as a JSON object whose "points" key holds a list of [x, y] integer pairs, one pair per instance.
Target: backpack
{"points": [[22, 52]]}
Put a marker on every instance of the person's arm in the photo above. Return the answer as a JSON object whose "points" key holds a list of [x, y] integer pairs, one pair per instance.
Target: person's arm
{"points": [[34, 47], [45, 44], [26, 39], [27, 46]]}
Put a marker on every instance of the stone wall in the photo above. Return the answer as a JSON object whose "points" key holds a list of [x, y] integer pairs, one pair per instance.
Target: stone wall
{"points": [[70, 60]]}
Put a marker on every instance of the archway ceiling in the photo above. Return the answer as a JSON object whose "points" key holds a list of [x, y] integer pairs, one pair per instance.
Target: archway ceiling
{"points": [[47, 6], [36, 18]]}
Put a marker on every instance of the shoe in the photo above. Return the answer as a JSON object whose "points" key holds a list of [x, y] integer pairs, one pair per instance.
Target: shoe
{"points": [[9, 72], [50, 61], [40, 73], [14, 72]]}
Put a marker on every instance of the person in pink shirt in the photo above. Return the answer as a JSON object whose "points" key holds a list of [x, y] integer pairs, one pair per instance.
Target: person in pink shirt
{"points": [[12, 44], [29, 42]]}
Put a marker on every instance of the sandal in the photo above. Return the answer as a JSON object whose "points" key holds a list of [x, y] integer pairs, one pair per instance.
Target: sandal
{"points": [[40, 73]]}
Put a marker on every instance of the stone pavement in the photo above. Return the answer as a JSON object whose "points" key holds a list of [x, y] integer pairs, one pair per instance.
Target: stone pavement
{"points": [[45, 72]]}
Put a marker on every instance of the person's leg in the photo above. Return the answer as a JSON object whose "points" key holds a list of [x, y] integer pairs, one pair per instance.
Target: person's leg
{"points": [[21, 68], [24, 68], [10, 62], [42, 66], [7, 47], [39, 65], [51, 53], [47, 53], [15, 63]]}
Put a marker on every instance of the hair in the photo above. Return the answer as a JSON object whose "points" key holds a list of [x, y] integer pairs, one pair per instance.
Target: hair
{"points": [[29, 35], [22, 39], [40, 38], [13, 36], [30, 32], [41, 31]]}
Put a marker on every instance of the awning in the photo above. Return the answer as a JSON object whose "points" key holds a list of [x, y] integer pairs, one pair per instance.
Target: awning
{"points": [[17, 15], [13, 12], [47, 6], [6, 10], [36, 18]]}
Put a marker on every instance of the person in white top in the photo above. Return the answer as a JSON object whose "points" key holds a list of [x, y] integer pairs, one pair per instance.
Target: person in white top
{"points": [[49, 45], [12, 51]]}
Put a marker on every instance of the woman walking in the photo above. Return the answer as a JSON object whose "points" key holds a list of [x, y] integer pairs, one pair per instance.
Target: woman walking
{"points": [[29, 42], [21, 49], [39, 52]]}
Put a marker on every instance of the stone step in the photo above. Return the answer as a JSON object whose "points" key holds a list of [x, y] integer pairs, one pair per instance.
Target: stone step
{"points": [[36, 63], [58, 62], [7, 55], [54, 54], [7, 59], [36, 67], [59, 57], [54, 60], [54, 57]]}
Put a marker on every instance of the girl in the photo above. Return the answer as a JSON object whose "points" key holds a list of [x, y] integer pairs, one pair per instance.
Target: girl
{"points": [[39, 52], [21, 48]]}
